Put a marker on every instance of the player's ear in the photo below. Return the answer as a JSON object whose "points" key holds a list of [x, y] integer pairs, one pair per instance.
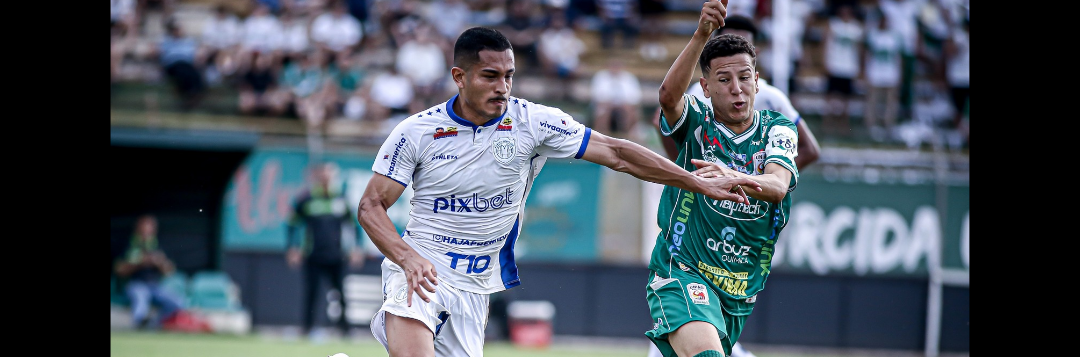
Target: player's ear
{"points": [[704, 86], [459, 76]]}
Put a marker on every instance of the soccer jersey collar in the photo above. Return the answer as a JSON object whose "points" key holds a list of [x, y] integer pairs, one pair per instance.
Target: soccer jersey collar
{"points": [[738, 139], [462, 121]]}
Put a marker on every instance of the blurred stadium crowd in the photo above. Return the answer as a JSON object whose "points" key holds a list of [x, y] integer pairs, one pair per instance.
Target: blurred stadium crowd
{"points": [[372, 62]]}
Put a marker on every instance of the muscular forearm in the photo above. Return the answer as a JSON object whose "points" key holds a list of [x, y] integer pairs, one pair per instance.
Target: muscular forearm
{"points": [[640, 162], [774, 185], [373, 218]]}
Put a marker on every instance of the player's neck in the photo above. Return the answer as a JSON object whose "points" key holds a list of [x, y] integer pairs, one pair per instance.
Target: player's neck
{"points": [[468, 114], [738, 126]]}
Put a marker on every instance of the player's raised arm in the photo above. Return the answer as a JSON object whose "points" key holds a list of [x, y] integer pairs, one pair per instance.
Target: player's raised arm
{"points": [[681, 72], [626, 156], [380, 194]]}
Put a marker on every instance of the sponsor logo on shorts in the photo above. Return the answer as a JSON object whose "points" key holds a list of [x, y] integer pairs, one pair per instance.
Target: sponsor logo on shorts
{"points": [[751, 299], [697, 292], [401, 294]]}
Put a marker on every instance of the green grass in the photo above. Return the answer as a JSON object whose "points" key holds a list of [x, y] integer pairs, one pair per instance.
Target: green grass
{"points": [[164, 344]]}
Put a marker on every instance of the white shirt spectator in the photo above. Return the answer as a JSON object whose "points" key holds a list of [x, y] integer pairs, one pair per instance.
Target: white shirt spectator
{"points": [[883, 63], [392, 90], [121, 9], [620, 87], [221, 32], [450, 17], [295, 36], [902, 16], [841, 48], [958, 69], [422, 61], [562, 46], [261, 33], [337, 31]]}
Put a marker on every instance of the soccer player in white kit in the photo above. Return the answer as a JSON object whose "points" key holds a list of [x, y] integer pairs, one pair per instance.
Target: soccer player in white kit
{"points": [[471, 162]]}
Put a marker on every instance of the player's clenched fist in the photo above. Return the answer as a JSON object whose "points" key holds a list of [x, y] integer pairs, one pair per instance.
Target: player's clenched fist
{"points": [[713, 13]]}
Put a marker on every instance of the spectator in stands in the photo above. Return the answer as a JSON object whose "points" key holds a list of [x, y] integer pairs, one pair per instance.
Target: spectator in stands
{"points": [[220, 39], [324, 237], [304, 82], [617, 16], [882, 73], [182, 61], [259, 91], [261, 33], [653, 28], [958, 73], [616, 100], [123, 14], [450, 17], [336, 31], [141, 269], [296, 39], [523, 31], [903, 17], [391, 95], [560, 54], [843, 43], [121, 42], [423, 59], [304, 8]]}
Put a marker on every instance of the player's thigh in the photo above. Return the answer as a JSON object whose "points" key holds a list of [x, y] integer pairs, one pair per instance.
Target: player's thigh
{"points": [[462, 335], [397, 325], [677, 301]]}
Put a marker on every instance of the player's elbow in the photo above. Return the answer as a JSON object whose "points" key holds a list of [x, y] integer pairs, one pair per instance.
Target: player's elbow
{"points": [[368, 207], [669, 97]]}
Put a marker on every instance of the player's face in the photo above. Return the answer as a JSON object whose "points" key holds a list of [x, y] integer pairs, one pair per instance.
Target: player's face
{"points": [[485, 86], [731, 85]]}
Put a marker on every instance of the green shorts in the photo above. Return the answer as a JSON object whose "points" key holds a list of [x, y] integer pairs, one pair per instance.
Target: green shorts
{"points": [[683, 298]]}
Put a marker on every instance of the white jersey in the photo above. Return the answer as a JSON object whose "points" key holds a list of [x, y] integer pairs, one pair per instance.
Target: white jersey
{"points": [[470, 184], [768, 97]]}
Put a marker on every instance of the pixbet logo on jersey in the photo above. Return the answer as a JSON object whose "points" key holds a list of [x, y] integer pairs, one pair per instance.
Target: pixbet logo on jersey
{"points": [[468, 203]]}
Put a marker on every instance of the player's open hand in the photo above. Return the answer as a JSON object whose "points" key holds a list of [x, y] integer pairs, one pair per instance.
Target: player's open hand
{"points": [[713, 13], [730, 184], [421, 276]]}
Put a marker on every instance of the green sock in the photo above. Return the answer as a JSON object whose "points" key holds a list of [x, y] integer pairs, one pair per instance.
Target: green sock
{"points": [[710, 353]]}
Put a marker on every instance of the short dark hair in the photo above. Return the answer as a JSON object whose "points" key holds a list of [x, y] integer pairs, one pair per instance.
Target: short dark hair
{"points": [[738, 22], [723, 46], [472, 41]]}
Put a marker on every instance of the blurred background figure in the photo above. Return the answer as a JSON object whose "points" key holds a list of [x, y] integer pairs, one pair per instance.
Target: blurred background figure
{"points": [[304, 82], [323, 238], [392, 96], [295, 36], [259, 90], [450, 17], [843, 38], [261, 33], [958, 75], [618, 16], [616, 100], [560, 55], [141, 269], [336, 31], [220, 39], [422, 58], [653, 28], [522, 27], [182, 61], [883, 69]]}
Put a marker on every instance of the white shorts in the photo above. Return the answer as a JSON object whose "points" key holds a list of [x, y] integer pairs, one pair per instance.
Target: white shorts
{"points": [[456, 318]]}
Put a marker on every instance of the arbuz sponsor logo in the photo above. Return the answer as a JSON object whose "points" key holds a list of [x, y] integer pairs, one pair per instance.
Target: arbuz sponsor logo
{"points": [[732, 253], [473, 202]]}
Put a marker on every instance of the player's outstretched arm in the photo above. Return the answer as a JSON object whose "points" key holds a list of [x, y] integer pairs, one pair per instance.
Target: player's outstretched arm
{"points": [[629, 157], [380, 194], [774, 180], [681, 72]]}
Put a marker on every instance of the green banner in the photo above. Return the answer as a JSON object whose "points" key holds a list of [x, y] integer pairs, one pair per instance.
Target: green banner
{"points": [[874, 229], [560, 211]]}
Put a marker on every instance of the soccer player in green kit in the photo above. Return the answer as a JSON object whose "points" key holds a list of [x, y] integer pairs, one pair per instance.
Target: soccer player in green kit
{"points": [[712, 257]]}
